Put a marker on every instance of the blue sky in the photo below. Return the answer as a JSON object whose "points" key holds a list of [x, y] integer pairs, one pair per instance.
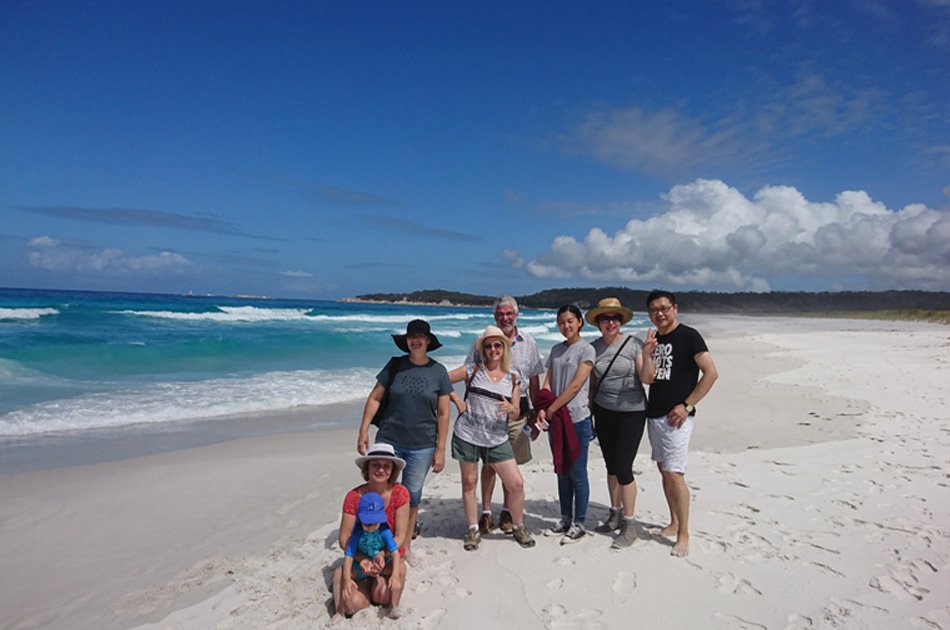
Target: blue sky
{"points": [[317, 149]]}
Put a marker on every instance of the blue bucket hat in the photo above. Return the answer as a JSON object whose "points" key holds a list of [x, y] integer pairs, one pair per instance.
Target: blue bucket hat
{"points": [[372, 509]]}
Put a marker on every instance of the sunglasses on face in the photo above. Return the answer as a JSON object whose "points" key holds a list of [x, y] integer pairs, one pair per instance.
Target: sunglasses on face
{"points": [[495, 345], [613, 317]]}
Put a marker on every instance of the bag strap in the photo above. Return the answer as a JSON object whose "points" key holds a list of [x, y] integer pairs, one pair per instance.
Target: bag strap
{"points": [[471, 378], [393, 369], [487, 393], [609, 365]]}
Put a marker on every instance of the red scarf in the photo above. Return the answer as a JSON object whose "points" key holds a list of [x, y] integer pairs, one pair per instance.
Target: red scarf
{"points": [[561, 433]]}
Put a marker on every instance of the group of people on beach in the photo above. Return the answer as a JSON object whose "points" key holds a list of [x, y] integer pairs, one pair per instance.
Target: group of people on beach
{"points": [[588, 390]]}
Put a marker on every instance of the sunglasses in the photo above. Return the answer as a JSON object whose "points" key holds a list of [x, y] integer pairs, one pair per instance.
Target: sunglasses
{"points": [[613, 317], [495, 345]]}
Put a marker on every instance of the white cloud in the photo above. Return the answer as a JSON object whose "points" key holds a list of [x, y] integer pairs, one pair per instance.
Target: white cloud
{"points": [[52, 254], [756, 127], [513, 257], [656, 141], [713, 237]]}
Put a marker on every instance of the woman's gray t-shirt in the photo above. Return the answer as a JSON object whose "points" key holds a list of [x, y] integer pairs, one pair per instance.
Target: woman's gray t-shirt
{"points": [[622, 389], [411, 418], [563, 363]]}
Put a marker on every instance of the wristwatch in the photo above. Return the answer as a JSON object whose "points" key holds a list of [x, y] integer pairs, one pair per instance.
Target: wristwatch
{"points": [[690, 409]]}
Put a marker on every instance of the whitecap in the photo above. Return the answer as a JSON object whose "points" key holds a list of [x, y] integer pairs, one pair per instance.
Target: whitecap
{"points": [[26, 313]]}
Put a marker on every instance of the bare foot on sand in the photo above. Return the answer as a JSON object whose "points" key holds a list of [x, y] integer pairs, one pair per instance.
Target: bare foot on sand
{"points": [[396, 612], [669, 531], [681, 548]]}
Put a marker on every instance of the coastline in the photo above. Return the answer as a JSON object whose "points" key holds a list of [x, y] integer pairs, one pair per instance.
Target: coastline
{"points": [[819, 497], [913, 315]]}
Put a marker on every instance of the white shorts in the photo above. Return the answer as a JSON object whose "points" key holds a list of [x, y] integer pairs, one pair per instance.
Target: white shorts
{"points": [[670, 444]]}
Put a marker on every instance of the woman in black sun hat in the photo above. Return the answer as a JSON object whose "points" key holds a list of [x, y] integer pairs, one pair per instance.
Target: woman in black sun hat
{"points": [[415, 419]]}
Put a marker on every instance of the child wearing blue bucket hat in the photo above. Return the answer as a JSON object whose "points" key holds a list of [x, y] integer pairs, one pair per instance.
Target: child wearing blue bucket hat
{"points": [[372, 552]]}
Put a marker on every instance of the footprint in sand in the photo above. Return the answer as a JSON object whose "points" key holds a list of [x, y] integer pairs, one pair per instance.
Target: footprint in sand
{"points": [[827, 569], [624, 584], [732, 585], [557, 617], [901, 589], [418, 586], [431, 619], [738, 622], [934, 620], [555, 584], [461, 592], [799, 622], [564, 561]]}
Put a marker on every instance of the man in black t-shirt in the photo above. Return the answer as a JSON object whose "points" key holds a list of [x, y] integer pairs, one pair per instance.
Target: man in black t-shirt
{"points": [[685, 372]]}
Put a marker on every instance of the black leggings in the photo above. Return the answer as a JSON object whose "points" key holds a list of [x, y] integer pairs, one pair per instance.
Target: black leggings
{"points": [[619, 433]]}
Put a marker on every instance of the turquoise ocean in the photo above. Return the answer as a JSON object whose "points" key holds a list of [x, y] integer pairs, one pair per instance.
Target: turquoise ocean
{"points": [[77, 361]]}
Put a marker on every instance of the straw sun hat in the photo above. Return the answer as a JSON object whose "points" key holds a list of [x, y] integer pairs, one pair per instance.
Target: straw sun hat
{"points": [[491, 331], [609, 305]]}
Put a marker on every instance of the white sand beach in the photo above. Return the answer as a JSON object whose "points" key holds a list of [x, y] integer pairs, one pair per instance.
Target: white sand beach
{"points": [[820, 472]]}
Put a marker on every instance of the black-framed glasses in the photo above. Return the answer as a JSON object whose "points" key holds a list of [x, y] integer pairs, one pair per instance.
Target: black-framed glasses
{"points": [[660, 309]]}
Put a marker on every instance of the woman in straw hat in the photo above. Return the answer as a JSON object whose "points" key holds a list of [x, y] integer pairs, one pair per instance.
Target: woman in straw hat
{"points": [[416, 419], [618, 403], [380, 467], [492, 398]]}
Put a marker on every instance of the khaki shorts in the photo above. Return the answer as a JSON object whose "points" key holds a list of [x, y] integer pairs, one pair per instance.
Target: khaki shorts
{"points": [[670, 444], [467, 452], [519, 440]]}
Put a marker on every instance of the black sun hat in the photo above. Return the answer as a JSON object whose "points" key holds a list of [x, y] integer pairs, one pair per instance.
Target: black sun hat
{"points": [[417, 327]]}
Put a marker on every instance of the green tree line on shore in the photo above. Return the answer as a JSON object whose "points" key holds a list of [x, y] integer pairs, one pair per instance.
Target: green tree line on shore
{"points": [[700, 301]]}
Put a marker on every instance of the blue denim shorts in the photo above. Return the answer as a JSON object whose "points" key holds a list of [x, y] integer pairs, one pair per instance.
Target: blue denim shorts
{"points": [[418, 463]]}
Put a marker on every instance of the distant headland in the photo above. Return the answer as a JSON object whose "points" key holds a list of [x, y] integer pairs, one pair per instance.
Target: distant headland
{"points": [[926, 305]]}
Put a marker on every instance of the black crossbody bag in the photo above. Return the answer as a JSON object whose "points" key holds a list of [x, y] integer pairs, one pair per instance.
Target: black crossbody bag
{"points": [[393, 368]]}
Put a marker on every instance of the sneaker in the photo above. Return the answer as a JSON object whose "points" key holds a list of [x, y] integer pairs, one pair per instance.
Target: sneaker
{"points": [[612, 523], [627, 535], [485, 523], [558, 530], [574, 533], [472, 539], [505, 523], [522, 535]]}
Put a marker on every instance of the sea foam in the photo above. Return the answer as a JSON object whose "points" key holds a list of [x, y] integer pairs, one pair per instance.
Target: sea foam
{"points": [[26, 313]]}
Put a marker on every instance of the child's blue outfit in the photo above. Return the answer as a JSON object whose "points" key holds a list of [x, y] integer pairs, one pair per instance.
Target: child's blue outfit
{"points": [[369, 544]]}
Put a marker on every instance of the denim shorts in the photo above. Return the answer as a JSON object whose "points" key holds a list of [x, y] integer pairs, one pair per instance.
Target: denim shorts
{"points": [[418, 463]]}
